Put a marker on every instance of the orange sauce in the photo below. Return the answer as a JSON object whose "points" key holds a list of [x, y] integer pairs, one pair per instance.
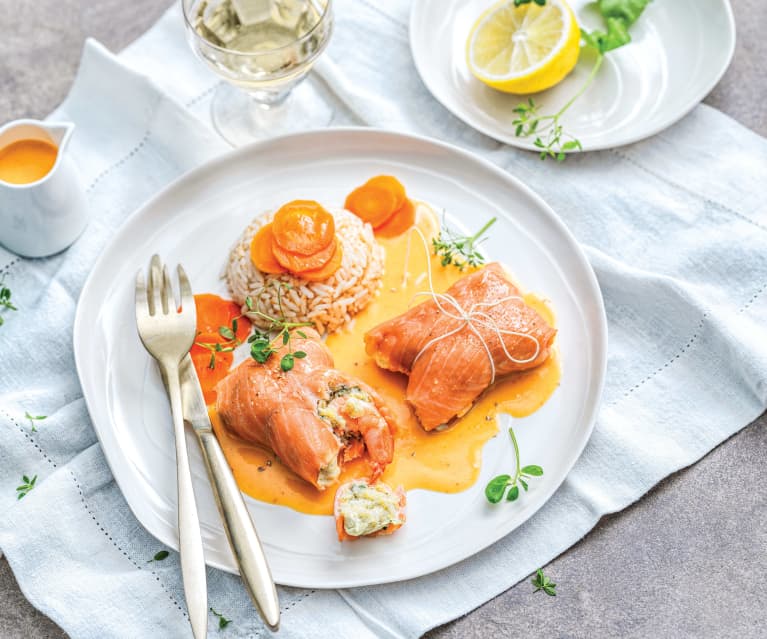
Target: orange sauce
{"points": [[446, 461], [27, 161]]}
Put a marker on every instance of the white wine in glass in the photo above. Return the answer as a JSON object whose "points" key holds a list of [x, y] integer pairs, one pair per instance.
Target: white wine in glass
{"points": [[264, 48]]}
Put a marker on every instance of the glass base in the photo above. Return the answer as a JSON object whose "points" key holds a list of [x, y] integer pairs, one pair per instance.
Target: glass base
{"points": [[241, 118]]}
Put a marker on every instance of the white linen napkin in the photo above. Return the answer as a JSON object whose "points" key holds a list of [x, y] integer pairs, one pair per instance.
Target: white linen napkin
{"points": [[673, 227]]}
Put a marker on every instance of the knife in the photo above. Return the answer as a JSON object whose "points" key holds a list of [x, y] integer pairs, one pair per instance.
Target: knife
{"points": [[240, 531]]}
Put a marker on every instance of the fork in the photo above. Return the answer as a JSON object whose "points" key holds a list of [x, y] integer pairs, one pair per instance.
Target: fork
{"points": [[167, 332]]}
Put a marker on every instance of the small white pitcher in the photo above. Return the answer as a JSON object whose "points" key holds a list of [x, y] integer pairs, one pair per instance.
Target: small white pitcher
{"points": [[43, 217]]}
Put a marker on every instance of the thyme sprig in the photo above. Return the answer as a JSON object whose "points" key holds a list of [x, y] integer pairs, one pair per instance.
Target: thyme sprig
{"points": [[460, 250], [496, 487], [279, 329], [229, 333]]}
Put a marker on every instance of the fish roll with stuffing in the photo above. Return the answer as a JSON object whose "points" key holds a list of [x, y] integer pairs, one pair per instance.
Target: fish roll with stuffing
{"points": [[314, 417]]}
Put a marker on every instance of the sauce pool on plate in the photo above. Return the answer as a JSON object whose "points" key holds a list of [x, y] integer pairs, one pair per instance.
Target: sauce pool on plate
{"points": [[27, 161], [445, 461]]}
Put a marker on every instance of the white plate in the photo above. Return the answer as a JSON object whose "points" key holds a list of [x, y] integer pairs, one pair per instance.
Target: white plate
{"points": [[195, 220], [679, 51]]}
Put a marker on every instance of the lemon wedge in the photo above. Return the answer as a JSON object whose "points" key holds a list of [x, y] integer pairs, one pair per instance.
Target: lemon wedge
{"points": [[524, 49]]}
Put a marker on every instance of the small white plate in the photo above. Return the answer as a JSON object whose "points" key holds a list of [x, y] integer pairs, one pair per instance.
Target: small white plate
{"points": [[195, 221], [679, 51]]}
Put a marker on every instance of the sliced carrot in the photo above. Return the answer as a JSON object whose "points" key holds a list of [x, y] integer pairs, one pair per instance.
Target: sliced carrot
{"points": [[299, 263], [213, 312], [371, 203], [390, 183], [261, 251], [303, 227], [323, 273], [398, 223], [201, 358]]}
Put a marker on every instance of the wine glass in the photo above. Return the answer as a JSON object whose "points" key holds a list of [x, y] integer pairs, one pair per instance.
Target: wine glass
{"points": [[263, 49]]}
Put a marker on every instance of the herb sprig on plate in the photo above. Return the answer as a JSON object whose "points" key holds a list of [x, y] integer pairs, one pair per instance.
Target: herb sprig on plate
{"points": [[159, 556], [229, 333], [262, 343], [551, 138], [497, 487], [460, 250]]}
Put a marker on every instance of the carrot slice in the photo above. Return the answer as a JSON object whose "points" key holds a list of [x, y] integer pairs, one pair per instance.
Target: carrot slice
{"points": [[398, 223], [303, 227], [201, 358], [299, 263], [371, 203], [261, 251], [213, 312], [323, 273], [390, 183]]}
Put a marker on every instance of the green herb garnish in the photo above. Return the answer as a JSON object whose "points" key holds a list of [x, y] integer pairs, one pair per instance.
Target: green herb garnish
{"points": [[32, 419], [159, 556], [460, 250], [551, 139], [542, 582], [518, 3], [496, 487], [29, 484], [229, 333], [5, 299], [279, 330], [223, 622]]}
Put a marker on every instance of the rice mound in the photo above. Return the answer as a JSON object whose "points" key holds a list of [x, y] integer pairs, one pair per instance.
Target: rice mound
{"points": [[329, 304]]}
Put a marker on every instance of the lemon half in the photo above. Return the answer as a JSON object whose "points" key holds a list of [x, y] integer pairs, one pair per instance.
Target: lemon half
{"points": [[524, 49]]}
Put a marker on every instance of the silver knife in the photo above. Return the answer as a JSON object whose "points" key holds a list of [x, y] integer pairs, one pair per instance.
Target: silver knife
{"points": [[240, 531]]}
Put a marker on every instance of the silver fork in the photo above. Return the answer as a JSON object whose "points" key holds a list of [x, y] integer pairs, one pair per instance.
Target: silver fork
{"points": [[168, 333]]}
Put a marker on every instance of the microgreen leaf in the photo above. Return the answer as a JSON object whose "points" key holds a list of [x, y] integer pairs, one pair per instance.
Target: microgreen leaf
{"points": [[226, 332], [287, 362], [535, 471], [32, 419], [496, 488], [299, 354], [513, 494], [159, 556]]}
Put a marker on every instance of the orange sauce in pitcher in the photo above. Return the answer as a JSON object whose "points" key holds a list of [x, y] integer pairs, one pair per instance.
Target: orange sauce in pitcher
{"points": [[27, 161], [446, 461]]}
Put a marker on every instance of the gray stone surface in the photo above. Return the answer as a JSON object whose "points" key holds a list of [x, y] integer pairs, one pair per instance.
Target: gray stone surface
{"points": [[688, 560]]}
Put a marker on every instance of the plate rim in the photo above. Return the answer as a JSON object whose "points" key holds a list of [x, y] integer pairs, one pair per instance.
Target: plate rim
{"points": [[625, 141], [80, 334]]}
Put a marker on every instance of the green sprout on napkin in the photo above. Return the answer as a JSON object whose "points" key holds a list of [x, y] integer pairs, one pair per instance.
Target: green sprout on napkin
{"points": [[29, 484], [5, 300], [542, 582], [34, 418], [223, 622], [552, 140]]}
